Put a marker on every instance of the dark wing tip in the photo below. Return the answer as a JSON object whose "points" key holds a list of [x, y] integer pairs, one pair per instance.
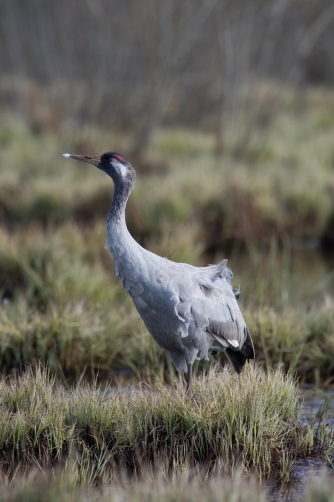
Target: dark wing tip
{"points": [[237, 359], [248, 346]]}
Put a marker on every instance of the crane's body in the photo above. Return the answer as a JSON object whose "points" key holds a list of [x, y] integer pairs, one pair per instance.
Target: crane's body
{"points": [[188, 310]]}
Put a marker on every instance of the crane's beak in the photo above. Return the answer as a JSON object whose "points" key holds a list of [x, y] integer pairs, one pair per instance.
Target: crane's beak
{"points": [[84, 158]]}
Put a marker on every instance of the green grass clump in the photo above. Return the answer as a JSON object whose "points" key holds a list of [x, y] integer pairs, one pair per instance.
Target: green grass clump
{"points": [[301, 340], [59, 302], [251, 424]]}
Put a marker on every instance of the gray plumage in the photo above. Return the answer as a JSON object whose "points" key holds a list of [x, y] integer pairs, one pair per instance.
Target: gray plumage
{"points": [[188, 310]]}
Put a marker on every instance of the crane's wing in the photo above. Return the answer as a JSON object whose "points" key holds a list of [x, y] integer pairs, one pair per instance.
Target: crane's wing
{"points": [[213, 308]]}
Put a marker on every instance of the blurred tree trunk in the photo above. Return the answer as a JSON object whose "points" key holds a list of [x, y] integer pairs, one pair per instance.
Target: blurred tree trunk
{"points": [[122, 64], [174, 48]]}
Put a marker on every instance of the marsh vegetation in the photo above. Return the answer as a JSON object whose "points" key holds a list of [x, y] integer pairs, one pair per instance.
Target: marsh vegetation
{"points": [[60, 301], [226, 111], [95, 436], [268, 209]]}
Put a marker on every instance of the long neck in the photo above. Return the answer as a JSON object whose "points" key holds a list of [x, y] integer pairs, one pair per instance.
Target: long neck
{"points": [[116, 216]]}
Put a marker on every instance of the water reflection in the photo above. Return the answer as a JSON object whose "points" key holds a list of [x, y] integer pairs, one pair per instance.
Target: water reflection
{"points": [[318, 405]]}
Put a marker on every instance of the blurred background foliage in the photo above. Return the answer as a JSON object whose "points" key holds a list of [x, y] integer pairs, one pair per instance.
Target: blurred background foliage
{"points": [[134, 66], [226, 110]]}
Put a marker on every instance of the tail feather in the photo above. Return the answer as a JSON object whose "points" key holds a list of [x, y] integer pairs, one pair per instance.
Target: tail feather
{"points": [[248, 346], [236, 359]]}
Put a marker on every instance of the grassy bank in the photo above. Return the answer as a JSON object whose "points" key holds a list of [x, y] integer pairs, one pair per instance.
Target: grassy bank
{"points": [[251, 424]]}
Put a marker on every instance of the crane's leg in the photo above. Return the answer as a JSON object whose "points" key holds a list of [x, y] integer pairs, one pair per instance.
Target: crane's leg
{"points": [[189, 380]]}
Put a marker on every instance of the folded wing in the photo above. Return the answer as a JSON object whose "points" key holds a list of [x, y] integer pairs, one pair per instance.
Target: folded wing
{"points": [[215, 311]]}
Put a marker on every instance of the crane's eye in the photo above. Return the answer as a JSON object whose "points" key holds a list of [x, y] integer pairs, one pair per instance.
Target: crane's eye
{"points": [[119, 157]]}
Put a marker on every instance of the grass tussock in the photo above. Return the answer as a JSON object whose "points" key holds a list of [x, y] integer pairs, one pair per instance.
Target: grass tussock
{"points": [[302, 341], [251, 424]]}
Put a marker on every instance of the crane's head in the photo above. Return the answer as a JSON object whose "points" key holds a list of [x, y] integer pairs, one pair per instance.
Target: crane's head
{"points": [[111, 163]]}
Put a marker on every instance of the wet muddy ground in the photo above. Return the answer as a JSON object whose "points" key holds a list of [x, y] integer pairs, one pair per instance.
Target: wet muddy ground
{"points": [[318, 405]]}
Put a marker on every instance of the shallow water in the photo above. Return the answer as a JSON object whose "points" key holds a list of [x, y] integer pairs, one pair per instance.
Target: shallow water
{"points": [[317, 406], [314, 401]]}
